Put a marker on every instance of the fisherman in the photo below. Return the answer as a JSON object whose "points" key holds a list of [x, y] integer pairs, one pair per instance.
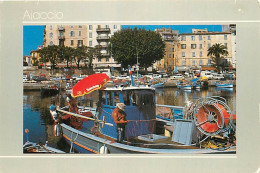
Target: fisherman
{"points": [[119, 117]]}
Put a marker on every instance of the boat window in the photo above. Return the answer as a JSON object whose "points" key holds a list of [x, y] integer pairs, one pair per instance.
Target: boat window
{"points": [[109, 99], [144, 98], [102, 97], [116, 98], [126, 98]]}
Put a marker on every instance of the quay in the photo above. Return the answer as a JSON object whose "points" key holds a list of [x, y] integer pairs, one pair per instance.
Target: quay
{"points": [[30, 86], [211, 83]]}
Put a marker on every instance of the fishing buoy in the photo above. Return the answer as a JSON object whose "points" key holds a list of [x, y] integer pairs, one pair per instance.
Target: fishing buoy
{"points": [[57, 129], [103, 150], [212, 118]]}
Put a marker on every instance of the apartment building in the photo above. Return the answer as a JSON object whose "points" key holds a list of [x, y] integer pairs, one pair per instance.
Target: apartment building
{"points": [[192, 48], [100, 35], [87, 35], [169, 37]]}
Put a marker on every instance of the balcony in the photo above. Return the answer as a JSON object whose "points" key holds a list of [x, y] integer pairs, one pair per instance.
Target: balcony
{"points": [[105, 54], [61, 28], [61, 37], [103, 29], [103, 38]]}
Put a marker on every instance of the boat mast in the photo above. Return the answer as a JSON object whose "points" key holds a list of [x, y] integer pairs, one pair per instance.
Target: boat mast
{"points": [[137, 67]]}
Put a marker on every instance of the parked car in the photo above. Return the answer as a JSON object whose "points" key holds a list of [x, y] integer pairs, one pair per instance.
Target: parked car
{"points": [[206, 74], [39, 78], [217, 76], [229, 75], [176, 76]]}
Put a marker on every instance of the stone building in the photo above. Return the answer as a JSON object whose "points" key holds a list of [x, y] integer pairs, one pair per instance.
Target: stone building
{"points": [[169, 37], [87, 35], [192, 48]]}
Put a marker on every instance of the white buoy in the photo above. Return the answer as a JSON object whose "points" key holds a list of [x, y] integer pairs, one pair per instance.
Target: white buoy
{"points": [[103, 150]]}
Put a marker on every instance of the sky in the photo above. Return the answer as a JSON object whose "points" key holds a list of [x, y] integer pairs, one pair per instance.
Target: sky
{"points": [[33, 34]]}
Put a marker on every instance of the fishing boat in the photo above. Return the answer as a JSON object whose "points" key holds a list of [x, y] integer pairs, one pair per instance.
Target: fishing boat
{"points": [[184, 85], [196, 84], [50, 90], [224, 85], [158, 85], [200, 131], [31, 147]]}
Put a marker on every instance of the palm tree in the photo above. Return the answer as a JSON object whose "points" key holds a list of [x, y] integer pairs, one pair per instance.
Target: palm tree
{"points": [[215, 52]]}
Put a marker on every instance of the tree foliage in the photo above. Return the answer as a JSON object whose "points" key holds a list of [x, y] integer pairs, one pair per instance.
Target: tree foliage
{"points": [[127, 43], [216, 53]]}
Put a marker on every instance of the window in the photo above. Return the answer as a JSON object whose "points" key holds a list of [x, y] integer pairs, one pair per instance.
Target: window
{"points": [[209, 62], [201, 62], [99, 59], [200, 37], [193, 54], [90, 27], [225, 44], [80, 26], [200, 46], [183, 62], [192, 37], [172, 49], [51, 35], [71, 42], [183, 46], [72, 33], [183, 38], [71, 26], [115, 26], [79, 33], [193, 62], [107, 59], [80, 42], [200, 54], [90, 43], [208, 37], [50, 27], [225, 37], [51, 43], [193, 46], [107, 26], [90, 35], [170, 55], [183, 54]]}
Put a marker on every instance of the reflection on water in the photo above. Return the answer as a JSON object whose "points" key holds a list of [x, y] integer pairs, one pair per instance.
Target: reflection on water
{"points": [[177, 97], [36, 115]]}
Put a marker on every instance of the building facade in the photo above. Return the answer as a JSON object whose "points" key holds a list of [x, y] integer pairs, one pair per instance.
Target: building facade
{"points": [[84, 35], [192, 48], [169, 37]]}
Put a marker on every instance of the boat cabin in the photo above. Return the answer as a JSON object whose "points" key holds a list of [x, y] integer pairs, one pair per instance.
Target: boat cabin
{"points": [[140, 110]]}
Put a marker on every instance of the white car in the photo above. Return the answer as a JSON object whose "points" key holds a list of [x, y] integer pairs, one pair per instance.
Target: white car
{"points": [[217, 76], [176, 76]]}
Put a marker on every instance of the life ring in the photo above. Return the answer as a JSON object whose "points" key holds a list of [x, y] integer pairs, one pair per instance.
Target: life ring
{"points": [[103, 150], [212, 118]]}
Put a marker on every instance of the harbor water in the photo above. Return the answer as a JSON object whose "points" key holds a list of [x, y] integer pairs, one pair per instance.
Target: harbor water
{"points": [[37, 118]]}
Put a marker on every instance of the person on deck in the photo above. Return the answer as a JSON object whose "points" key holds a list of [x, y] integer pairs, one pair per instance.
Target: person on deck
{"points": [[119, 117], [72, 102], [53, 111]]}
